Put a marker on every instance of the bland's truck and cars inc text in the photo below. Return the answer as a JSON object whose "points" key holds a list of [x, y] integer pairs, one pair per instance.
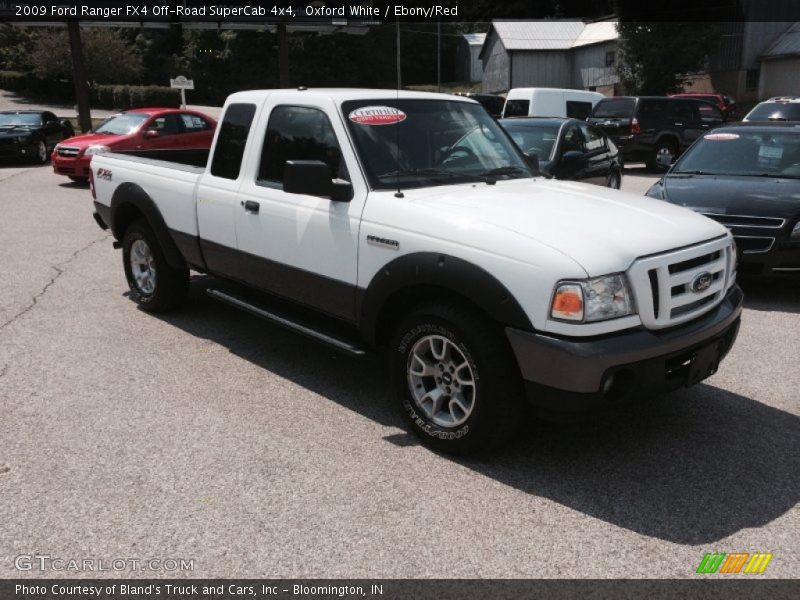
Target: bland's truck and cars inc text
{"points": [[411, 221]]}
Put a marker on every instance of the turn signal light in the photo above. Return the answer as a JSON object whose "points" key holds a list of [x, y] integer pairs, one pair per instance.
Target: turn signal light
{"points": [[568, 302]]}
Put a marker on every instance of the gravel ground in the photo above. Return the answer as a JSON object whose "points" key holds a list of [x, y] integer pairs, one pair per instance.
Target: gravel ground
{"points": [[209, 435]]}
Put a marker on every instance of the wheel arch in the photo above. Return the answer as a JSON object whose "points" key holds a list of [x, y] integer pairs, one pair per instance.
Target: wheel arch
{"points": [[423, 276], [130, 203]]}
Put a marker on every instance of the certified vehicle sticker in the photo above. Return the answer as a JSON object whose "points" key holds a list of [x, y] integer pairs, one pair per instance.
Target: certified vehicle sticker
{"points": [[377, 115], [770, 152], [721, 136]]}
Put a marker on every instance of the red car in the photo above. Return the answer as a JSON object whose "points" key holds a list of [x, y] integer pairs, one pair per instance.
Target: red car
{"points": [[145, 130], [725, 103]]}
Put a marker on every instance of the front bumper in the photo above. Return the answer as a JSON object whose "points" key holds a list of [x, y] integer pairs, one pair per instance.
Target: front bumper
{"points": [[573, 374], [70, 166], [23, 149]]}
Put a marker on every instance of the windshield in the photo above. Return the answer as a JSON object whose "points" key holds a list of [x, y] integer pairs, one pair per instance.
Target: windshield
{"points": [[614, 108], [414, 143], [122, 124], [775, 111], [533, 138], [29, 119], [744, 152]]}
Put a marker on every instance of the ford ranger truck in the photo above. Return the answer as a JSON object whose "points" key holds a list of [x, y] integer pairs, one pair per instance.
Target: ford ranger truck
{"points": [[410, 223]]}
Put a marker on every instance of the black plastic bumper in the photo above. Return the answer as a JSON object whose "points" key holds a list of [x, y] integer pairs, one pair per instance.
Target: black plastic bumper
{"points": [[576, 374]]}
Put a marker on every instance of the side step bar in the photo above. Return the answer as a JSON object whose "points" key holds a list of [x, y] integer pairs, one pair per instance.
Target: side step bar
{"points": [[348, 347]]}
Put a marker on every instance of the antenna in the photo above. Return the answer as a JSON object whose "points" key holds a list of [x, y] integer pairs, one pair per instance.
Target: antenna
{"points": [[398, 193]]}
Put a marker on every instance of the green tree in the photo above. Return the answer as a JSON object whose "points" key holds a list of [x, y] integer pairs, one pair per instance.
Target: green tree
{"points": [[656, 58], [109, 59]]}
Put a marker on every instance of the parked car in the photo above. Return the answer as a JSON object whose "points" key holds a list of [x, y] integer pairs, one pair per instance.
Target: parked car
{"points": [[376, 228], [31, 134], [725, 104], [654, 129], [550, 102], [568, 149], [146, 131], [493, 104], [781, 108], [746, 177]]}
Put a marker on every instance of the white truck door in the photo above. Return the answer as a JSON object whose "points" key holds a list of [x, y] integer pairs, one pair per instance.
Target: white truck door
{"points": [[301, 247], [217, 191]]}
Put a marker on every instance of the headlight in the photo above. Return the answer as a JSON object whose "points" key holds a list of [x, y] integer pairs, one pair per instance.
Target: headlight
{"points": [[795, 235], [96, 149], [595, 299]]}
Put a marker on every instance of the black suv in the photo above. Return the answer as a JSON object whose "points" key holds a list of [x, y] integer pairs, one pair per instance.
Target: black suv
{"points": [[654, 129]]}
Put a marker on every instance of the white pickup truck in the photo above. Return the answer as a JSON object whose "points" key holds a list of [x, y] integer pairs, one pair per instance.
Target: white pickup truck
{"points": [[410, 222]]}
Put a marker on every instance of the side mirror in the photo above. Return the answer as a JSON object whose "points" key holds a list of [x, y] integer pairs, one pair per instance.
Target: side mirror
{"points": [[533, 161], [65, 123], [150, 134], [314, 178], [571, 156]]}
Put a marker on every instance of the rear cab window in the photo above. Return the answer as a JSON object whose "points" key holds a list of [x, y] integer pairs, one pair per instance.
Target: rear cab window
{"points": [[775, 111], [233, 132], [578, 110], [517, 108], [614, 108]]}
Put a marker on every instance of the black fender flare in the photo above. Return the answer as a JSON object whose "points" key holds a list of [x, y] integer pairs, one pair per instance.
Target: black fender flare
{"points": [[130, 194], [442, 271], [672, 136]]}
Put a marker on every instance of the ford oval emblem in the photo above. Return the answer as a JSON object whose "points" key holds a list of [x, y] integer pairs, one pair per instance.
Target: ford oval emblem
{"points": [[701, 282]]}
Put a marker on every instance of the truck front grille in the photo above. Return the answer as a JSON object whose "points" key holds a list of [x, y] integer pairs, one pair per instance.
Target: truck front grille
{"points": [[678, 286]]}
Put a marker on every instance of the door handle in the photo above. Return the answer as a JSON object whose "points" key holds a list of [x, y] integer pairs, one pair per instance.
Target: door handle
{"points": [[251, 206]]}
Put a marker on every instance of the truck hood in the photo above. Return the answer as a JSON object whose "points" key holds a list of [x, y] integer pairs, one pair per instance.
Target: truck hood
{"points": [[603, 230]]}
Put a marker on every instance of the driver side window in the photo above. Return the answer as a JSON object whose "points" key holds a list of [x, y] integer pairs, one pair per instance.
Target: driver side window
{"points": [[573, 140], [298, 133]]}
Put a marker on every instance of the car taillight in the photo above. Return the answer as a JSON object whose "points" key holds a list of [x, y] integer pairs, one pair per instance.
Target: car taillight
{"points": [[91, 184], [635, 126]]}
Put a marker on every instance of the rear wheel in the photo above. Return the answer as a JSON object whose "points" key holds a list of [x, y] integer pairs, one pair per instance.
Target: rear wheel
{"points": [[153, 283], [455, 379], [614, 180]]}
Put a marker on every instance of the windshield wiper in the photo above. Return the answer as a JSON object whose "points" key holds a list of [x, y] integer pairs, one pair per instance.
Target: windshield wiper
{"points": [[507, 170], [439, 173], [693, 172]]}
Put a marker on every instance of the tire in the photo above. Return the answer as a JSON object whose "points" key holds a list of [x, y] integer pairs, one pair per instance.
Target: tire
{"points": [[614, 180], [473, 417], [666, 148], [41, 156], [154, 285], [79, 180]]}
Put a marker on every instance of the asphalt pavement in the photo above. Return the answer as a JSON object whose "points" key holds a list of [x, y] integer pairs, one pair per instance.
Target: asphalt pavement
{"points": [[209, 435]]}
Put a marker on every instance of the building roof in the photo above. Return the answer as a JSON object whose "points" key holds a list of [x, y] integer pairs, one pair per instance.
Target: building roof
{"points": [[786, 44], [475, 39], [551, 34], [595, 33]]}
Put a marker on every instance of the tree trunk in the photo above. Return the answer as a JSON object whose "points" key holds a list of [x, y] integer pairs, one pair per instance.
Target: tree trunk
{"points": [[79, 77]]}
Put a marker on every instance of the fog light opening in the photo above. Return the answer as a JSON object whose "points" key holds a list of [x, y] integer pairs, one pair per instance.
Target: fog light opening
{"points": [[618, 384]]}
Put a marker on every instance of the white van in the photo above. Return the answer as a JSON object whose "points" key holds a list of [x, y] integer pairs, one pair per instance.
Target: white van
{"points": [[550, 102]]}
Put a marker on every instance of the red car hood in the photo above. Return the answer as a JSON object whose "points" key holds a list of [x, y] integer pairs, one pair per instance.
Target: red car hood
{"points": [[89, 139]]}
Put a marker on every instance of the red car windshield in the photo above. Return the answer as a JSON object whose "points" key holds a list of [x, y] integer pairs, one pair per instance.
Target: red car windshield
{"points": [[122, 124]]}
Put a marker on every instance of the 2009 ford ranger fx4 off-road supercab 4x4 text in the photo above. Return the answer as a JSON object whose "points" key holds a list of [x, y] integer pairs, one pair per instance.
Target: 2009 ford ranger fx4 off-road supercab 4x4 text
{"points": [[410, 221]]}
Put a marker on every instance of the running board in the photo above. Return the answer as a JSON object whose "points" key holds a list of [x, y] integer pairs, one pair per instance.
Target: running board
{"points": [[343, 345]]}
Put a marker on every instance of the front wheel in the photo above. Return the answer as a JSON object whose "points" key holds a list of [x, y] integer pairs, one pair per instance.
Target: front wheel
{"points": [[614, 180], [455, 379], [41, 156], [154, 284], [663, 155]]}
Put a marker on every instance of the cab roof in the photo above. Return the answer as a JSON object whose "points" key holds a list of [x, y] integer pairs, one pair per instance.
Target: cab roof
{"points": [[341, 95]]}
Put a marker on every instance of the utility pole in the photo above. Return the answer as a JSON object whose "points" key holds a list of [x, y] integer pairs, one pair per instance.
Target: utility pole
{"points": [[79, 76], [283, 56], [438, 56]]}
